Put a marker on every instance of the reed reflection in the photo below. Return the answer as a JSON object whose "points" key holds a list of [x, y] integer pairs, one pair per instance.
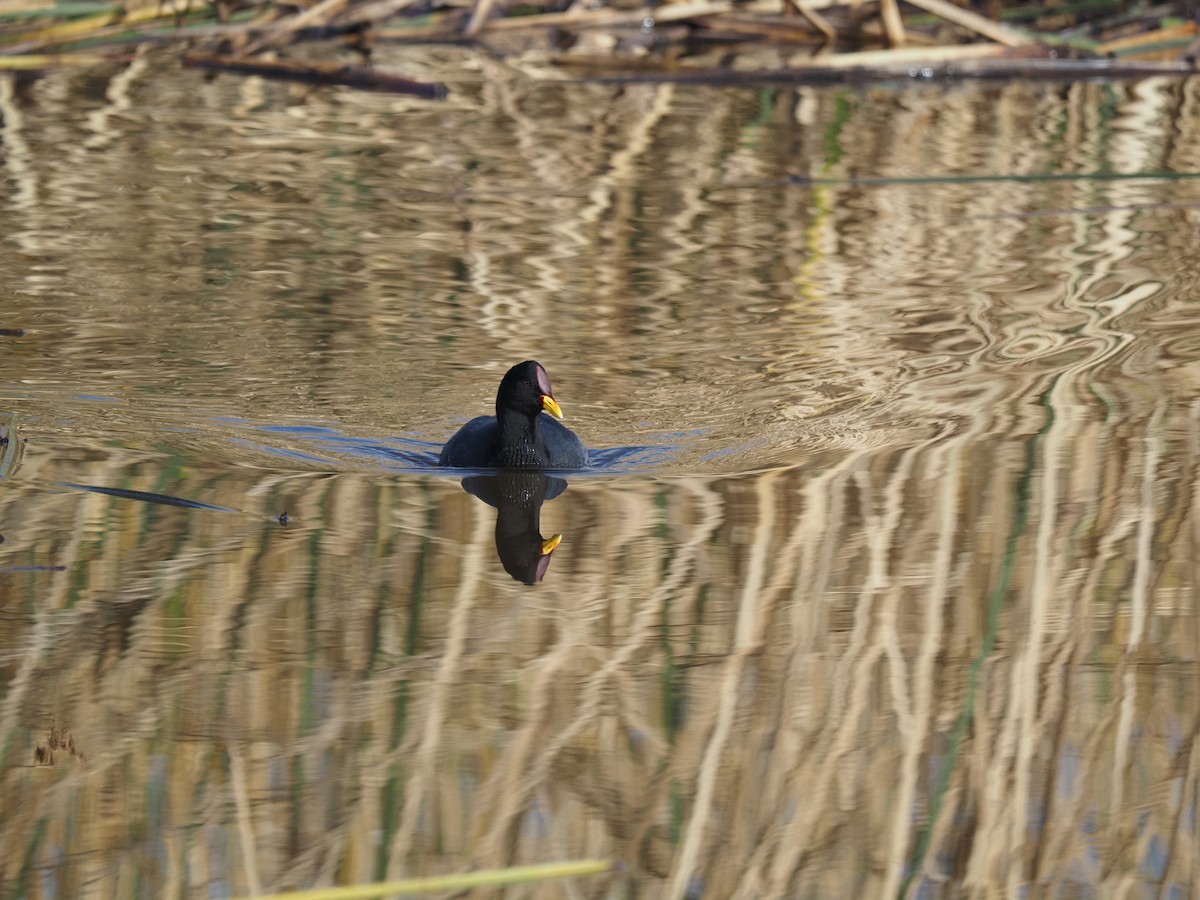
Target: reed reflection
{"points": [[517, 496]]}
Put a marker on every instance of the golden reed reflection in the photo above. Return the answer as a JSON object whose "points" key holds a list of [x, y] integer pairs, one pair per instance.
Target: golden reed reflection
{"points": [[980, 647]]}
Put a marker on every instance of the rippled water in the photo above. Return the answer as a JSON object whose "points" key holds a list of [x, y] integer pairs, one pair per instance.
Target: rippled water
{"points": [[883, 585]]}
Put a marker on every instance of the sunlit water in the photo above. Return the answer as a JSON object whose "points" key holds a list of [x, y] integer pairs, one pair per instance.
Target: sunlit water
{"points": [[882, 582]]}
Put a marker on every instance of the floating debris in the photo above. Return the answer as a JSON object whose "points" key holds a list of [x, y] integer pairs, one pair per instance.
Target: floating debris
{"points": [[56, 740]]}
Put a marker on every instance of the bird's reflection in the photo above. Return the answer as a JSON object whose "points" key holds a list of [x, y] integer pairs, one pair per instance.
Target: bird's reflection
{"points": [[518, 496]]}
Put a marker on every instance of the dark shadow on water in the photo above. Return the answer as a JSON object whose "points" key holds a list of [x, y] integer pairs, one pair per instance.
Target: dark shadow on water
{"points": [[146, 497]]}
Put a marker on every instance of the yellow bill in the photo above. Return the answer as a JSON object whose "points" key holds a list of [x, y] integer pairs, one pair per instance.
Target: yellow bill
{"points": [[551, 407]]}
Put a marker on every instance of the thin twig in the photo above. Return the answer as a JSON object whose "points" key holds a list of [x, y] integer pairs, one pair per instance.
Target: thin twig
{"points": [[611, 18]]}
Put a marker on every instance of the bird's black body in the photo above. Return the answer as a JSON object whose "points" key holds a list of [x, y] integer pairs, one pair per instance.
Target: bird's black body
{"points": [[519, 436], [484, 443]]}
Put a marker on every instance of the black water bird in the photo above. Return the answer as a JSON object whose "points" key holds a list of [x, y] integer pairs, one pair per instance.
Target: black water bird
{"points": [[518, 436]]}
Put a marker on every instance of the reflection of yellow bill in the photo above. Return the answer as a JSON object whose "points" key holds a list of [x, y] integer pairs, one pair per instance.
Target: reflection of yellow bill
{"points": [[551, 407], [550, 543]]}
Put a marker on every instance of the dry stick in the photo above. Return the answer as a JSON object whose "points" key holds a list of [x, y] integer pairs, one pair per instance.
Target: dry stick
{"points": [[445, 29], [321, 13], [905, 56], [1001, 34], [778, 7], [889, 11], [818, 20], [479, 17], [608, 18]]}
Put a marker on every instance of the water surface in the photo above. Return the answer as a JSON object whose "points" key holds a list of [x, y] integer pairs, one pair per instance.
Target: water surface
{"points": [[891, 592]]}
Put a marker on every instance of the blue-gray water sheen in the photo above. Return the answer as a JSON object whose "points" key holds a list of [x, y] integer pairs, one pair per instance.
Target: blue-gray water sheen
{"points": [[882, 582]]}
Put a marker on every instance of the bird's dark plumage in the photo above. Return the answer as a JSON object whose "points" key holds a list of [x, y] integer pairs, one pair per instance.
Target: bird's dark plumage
{"points": [[518, 436]]}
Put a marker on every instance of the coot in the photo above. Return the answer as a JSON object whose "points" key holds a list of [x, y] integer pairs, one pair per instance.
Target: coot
{"points": [[518, 436]]}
